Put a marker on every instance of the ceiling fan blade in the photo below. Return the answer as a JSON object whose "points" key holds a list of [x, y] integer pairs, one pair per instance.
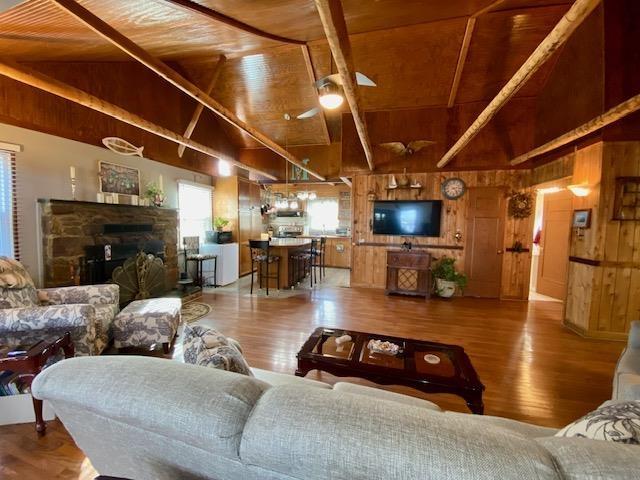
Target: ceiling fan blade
{"points": [[364, 81], [309, 113]]}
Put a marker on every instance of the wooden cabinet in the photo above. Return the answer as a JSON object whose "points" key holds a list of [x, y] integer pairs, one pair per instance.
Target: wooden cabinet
{"points": [[338, 252], [408, 272], [249, 220]]}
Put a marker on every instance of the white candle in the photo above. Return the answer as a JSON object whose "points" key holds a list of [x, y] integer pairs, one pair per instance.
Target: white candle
{"points": [[160, 186], [72, 172]]}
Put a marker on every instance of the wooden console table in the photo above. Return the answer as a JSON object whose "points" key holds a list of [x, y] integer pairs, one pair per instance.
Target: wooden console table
{"points": [[408, 272]]}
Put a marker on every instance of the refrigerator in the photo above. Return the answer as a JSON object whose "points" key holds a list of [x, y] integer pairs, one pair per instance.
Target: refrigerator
{"points": [[228, 263]]}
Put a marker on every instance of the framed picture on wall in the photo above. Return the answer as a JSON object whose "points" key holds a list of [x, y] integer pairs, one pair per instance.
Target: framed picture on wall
{"points": [[582, 218], [118, 179]]}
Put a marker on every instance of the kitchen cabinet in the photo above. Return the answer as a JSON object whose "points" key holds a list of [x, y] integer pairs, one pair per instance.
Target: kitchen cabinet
{"points": [[338, 252]]}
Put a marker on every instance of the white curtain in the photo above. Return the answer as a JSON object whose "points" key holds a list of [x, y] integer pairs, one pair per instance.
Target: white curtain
{"points": [[6, 205], [323, 215], [195, 210]]}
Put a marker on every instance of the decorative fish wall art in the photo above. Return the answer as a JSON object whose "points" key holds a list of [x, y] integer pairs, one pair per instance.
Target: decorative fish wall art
{"points": [[121, 146]]}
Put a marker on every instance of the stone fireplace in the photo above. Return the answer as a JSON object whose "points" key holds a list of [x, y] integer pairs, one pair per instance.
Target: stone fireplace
{"points": [[75, 234]]}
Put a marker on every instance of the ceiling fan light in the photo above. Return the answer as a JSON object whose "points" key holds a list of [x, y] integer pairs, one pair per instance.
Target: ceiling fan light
{"points": [[331, 101]]}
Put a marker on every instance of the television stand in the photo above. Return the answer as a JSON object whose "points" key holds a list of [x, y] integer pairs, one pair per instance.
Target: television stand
{"points": [[408, 273]]}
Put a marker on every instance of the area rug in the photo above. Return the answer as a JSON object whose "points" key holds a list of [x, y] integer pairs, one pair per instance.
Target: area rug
{"points": [[193, 311]]}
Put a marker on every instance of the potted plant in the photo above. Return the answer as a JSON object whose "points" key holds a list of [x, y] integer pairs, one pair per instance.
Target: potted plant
{"points": [[447, 279], [219, 223], [155, 194]]}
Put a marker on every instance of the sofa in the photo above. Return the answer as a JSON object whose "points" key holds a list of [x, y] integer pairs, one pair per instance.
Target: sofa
{"points": [[144, 418], [28, 315]]}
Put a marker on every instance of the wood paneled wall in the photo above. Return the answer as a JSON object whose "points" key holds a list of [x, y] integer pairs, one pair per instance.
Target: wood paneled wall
{"points": [[126, 84], [509, 134], [369, 251], [604, 276]]}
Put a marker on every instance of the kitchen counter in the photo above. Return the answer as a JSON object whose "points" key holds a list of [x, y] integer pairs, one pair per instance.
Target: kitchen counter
{"points": [[289, 242], [348, 237]]}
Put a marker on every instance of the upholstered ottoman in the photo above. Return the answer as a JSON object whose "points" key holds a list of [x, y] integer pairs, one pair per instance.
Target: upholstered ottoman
{"points": [[144, 323]]}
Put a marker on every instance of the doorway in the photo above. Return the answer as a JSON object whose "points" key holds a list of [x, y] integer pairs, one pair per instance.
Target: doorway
{"points": [[485, 231], [552, 233]]}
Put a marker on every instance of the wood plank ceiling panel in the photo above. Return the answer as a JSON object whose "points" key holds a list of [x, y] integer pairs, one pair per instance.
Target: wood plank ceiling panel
{"points": [[261, 88], [166, 31], [299, 19], [413, 66], [502, 42]]}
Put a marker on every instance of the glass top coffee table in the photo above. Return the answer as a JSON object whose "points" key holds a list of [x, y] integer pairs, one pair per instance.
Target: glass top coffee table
{"points": [[426, 366]]}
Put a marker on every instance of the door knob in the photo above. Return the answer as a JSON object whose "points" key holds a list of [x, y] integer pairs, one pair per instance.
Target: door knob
{"points": [[499, 252]]}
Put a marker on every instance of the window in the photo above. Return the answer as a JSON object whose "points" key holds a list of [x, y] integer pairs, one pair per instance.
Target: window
{"points": [[8, 206], [195, 210], [323, 215]]}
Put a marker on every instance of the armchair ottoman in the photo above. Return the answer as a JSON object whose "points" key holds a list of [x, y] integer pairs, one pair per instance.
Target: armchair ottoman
{"points": [[144, 323]]}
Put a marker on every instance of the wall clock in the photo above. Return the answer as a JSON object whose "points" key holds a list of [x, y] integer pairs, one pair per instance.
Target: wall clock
{"points": [[453, 188]]}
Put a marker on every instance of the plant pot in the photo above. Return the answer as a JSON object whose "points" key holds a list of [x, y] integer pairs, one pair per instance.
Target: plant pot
{"points": [[445, 288]]}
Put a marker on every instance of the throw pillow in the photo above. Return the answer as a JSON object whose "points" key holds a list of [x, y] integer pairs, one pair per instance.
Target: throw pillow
{"points": [[13, 275], [207, 347], [618, 422]]}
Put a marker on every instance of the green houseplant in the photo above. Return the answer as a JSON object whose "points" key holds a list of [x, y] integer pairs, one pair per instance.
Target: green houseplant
{"points": [[219, 223], [447, 278], [155, 194]]}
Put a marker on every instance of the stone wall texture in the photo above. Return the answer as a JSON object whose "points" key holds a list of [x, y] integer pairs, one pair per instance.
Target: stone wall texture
{"points": [[69, 226]]}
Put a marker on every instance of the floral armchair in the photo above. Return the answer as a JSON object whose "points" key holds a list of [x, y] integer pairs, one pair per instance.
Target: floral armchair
{"points": [[27, 314]]}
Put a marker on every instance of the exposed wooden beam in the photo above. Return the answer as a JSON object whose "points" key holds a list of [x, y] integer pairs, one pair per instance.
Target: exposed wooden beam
{"points": [[174, 78], [488, 8], [347, 182], [613, 115], [335, 29], [231, 22], [462, 59], [565, 27], [200, 108], [311, 72], [28, 76]]}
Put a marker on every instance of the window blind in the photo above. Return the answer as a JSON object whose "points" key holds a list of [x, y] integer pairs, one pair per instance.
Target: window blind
{"points": [[8, 206]]}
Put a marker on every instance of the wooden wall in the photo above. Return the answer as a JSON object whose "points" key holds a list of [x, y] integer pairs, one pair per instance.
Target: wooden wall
{"points": [[509, 134], [369, 251], [126, 84], [604, 272]]}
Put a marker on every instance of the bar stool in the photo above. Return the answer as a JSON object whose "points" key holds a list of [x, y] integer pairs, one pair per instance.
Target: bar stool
{"points": [[314, 253], [299, 262], [192, 254], [260, 255], [323, 257]]}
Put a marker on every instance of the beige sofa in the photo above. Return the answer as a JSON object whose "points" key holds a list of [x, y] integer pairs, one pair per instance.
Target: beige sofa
{"points": [[145, 418]]}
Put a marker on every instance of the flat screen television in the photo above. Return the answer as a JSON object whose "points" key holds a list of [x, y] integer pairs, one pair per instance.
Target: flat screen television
{"points": [[420, 218]]}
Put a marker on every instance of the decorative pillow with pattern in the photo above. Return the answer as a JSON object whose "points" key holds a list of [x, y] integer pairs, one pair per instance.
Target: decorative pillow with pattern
{"points": [[618, 422], [13, 275], [209, 348]]}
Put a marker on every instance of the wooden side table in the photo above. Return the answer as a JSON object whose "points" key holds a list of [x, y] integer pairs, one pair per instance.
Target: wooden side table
{"points": [[30, 362]]}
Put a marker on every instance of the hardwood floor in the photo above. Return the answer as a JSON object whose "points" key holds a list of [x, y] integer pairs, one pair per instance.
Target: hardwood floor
{"points": [[534, 369]]}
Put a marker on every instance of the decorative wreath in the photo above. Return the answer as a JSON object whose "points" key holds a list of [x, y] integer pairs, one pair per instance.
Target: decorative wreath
{"points": [[520, 204]]}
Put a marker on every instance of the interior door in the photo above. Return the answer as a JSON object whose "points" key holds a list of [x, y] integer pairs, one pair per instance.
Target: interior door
{"points": [[484, 245], [553, 263]]}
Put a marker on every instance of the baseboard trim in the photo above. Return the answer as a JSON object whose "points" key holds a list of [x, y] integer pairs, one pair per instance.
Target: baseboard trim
{"points": [[614, 336]]}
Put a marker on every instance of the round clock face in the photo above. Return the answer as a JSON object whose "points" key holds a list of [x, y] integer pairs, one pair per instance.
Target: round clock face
{"points": [[453, 188]]}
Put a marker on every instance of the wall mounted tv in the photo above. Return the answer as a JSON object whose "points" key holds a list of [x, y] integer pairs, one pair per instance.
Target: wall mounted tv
{"points": [[420, 218]]}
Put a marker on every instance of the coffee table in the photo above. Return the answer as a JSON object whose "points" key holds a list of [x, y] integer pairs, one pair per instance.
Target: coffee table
{"points": [[446, 368], [29, 360]]}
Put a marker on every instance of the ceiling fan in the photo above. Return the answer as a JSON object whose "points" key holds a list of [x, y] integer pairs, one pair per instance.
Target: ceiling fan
{"points": [[330, 94], [399, 148]]}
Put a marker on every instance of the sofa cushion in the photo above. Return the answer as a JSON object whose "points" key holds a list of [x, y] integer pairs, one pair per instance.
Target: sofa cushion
{"points": [[584, 459], [13, 275], [315, 434], [369, 392], [208, 348], [526, 429], [186, 404], [617, 422]]}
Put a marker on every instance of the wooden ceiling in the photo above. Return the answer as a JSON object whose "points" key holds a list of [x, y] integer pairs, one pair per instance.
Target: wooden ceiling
{"points": [[410, 48]]}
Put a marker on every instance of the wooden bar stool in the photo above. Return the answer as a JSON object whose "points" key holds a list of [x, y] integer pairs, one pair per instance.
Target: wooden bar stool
{"points": [[260, 255]]}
